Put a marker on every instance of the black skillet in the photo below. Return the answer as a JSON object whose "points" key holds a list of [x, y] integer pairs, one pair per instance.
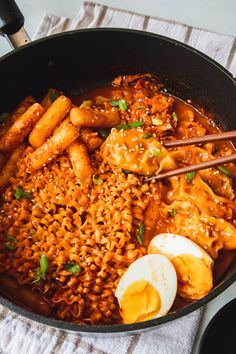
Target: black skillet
{"points": [[83, 59]]}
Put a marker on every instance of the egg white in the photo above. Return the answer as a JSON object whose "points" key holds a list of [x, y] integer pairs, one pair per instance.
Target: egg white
{"points": [[172, 245], [156, 270]]}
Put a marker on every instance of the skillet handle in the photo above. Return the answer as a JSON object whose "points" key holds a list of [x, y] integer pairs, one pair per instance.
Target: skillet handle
{"points": [[11, 23]]}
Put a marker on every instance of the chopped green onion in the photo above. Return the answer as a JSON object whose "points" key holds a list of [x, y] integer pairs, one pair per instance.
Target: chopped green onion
{"points": [[97, 180], [4, 116], [123, 127], [114, 103], [43, 264], [190, 176], [172, 213], [103, 133], [101, 99], [53, 96], [39, 276], [19, 193], [157, 121], [225, 171], [85, 104], [72, 267], [11, 238], [41, 272], [135, 124], [175, 117], [120, 103], [126, 171], [9, 246], [32, 232], [155, 151], [141, 231], [147, 135], [139, 107]]}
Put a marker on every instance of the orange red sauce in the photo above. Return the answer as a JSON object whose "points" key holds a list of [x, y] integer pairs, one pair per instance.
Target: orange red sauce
{"points": [[184, 111]]}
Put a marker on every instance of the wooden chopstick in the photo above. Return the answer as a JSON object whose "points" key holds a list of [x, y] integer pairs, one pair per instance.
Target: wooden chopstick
{"points": [[201, 139], [196, 167]]}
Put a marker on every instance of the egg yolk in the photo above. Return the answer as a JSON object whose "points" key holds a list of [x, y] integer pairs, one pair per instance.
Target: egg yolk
{"points": [[195, 279], [140, 302]]}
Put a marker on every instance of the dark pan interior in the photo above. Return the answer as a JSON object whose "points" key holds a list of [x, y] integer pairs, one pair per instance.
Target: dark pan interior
{"points": [[97, 55], [85, 59]]}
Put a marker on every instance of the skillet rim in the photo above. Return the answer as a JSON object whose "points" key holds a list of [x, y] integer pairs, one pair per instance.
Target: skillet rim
{"points": [[119, 329], [118, 29]]}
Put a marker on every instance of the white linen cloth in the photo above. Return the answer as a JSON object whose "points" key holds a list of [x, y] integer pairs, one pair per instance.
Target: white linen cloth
{"points": [[219, 47], [21, 336]]}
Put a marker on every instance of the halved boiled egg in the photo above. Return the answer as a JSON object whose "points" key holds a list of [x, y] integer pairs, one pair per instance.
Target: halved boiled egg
{"points": [[147, 289], [193, 265]]}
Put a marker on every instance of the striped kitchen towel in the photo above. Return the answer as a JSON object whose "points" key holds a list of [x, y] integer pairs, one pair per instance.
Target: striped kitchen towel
{"points": [[219, 47]]}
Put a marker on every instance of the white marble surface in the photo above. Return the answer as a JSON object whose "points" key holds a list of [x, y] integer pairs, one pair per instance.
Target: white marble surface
{"points": [[215, 15]]}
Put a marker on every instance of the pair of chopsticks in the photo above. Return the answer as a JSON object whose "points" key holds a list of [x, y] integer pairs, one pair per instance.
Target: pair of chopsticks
{"points": [[200, 166]]}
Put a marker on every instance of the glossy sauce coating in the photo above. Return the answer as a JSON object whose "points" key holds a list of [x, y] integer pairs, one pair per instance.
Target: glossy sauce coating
{"points": [[185, 112]]}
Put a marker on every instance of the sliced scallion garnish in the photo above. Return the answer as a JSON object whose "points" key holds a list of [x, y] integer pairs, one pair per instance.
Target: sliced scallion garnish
{"points": [[97, 180], [103, 133], [190, 176], [155, 151], [147, 135], [175, 116], [10, 246], [86, 104], [42, 270], [225, 171], [171, 213], [135, 124], [72, 267], [20, 193], [119, 103], [141, 231], [11, 238], [157, 121]]}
